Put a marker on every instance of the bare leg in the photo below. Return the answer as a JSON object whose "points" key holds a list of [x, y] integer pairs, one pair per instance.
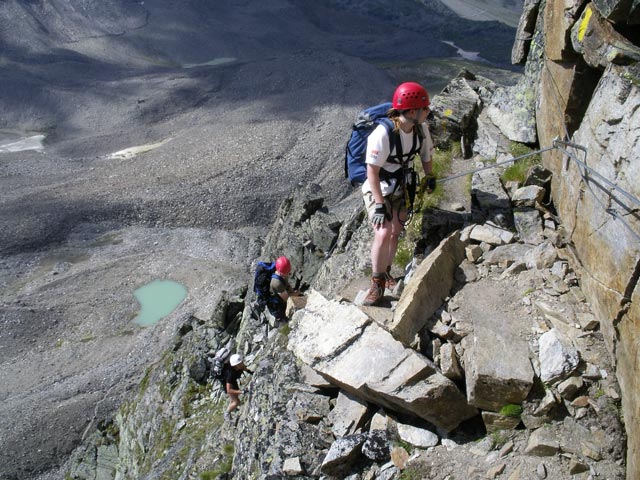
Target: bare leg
{"points": [[381, 247], [234, 402], [396, 230]]}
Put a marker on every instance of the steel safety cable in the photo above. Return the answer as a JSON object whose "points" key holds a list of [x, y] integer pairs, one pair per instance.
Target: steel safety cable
{"points": [[586, 178], [585, 170], [487, 167], [497, 164], [594, 173]]}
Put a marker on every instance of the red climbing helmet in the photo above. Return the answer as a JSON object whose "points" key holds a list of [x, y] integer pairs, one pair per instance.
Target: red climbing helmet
{"points": [[283, 265], [410, 95]]}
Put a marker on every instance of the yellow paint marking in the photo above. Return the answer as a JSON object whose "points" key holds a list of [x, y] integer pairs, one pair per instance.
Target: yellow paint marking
{"points": [[584, 24], [448, 112]]}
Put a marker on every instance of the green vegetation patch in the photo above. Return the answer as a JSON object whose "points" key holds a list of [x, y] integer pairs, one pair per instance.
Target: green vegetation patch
{"points": [[402, 444], [517, 171], [223, 466], [511, 410], [406, 244], [499, 438], [416, 472], [285, 329], [144, 383], [162, 440], [442, 160], [413, 229]]}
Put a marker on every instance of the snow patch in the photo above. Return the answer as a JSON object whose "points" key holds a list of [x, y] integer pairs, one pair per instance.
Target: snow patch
{"points": [[133, 151], [472, 56], [211, 63], [28, 143]]}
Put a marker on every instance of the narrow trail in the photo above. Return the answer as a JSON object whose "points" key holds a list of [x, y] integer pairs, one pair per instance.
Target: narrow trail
{"points": [[457, 192]]}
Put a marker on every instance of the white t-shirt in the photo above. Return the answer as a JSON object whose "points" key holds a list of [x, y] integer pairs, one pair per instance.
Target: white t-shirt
{"points": [[378, 153]]}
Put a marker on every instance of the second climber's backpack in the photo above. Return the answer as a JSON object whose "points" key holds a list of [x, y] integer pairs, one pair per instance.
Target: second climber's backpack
{"points": [[262, 281], [218, 363]]}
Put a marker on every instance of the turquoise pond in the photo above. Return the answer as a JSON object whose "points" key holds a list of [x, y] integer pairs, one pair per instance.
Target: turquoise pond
{"points": [[157, 300]]}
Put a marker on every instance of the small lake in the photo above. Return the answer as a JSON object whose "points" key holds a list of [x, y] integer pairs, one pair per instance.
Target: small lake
{"points": [[157, 300]]}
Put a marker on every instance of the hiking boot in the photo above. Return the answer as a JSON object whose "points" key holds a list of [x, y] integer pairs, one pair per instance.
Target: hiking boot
{"points": [[389, 281], [376, 291]]}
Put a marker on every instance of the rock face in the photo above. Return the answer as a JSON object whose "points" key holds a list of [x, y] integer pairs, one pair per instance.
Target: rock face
{"points": [[337, 340], [172, 425], [589, 92]]}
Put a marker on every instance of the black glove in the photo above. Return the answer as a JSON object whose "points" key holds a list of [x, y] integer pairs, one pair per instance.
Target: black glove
{"points": [[429, 183], [379, 214]]}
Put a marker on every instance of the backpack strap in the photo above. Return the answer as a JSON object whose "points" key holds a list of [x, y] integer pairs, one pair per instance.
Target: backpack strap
{"points": [[397, 158], [389, 126], [419, 129]]}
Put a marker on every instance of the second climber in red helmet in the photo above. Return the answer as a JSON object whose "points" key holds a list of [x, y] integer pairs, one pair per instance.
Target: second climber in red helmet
{"points": [[280, 289], [389, 158]]}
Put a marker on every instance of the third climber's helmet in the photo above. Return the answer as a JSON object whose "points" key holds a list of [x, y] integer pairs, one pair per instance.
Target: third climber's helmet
{"points": [[283, 265], [410, 95]]}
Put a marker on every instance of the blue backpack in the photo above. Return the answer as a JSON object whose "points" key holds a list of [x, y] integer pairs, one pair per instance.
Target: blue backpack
{"points": [[265, 271], [355, 167]]}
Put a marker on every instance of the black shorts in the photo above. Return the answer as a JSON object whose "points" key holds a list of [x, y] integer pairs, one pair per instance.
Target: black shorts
{"points": [[278, 310]]}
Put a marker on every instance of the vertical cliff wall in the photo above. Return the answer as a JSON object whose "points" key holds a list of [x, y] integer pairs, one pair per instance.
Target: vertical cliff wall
{"points": [[589, 99]]}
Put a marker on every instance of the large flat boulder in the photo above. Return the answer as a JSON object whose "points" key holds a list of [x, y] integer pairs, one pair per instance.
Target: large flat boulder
{"points": [[341, 343]]}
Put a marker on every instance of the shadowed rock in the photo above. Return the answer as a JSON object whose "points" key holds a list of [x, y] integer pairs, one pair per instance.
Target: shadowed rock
{"points": [[526, 27], [623, 11]]}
